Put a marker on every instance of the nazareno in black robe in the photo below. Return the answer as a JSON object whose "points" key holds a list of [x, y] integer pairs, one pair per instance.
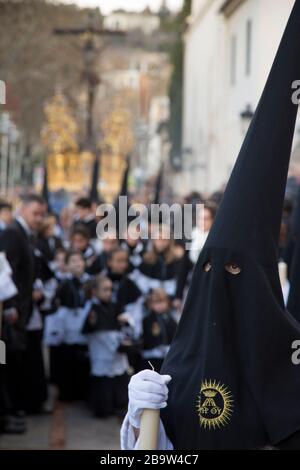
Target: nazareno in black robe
{"points": [[234, 385]]}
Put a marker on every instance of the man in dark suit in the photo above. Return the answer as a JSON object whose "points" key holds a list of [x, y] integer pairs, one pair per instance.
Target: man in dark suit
{"points": [[17, 242], [5, 214]]}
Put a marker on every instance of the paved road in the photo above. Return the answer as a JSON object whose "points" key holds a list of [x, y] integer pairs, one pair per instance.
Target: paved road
{"points": [[71, 426]]}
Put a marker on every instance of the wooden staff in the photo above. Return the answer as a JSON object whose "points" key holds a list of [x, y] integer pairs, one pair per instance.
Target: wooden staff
{"points": [[149, 429]]}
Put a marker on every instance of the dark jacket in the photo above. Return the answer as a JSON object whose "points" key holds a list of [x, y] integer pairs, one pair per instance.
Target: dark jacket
{"points": [[17, 246]]}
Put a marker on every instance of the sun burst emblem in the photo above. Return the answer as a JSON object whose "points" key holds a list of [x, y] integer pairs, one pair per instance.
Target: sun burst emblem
{"points": [[215, 405]]}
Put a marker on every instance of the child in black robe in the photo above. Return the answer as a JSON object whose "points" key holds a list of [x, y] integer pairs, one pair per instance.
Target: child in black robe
{"points": [[106, 339], [73, 380], [80, 241], [159, 326], [125, 291], [160, 265]]}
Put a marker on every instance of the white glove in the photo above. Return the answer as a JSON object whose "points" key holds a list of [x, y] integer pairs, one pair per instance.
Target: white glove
{"points": [[147, 390]]}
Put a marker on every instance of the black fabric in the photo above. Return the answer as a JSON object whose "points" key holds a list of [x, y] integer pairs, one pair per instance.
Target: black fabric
{"points": [[135, 253], [74, 373], [120, 228], [108, 395], [101, 317], [94, 194], [15, 379], [35, 386], [5, 404], [158, 186], [158, 330], [125, 291], [185, 269], [293, 304], [19, 252], [48, 246], [98, 265], [90, 224], [291, 443], [70, 293], [160, 269], [233, 382], [45, 190]]}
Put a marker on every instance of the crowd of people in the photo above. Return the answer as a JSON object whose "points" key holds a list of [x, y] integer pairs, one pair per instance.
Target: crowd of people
{"points": [[89, 313]]}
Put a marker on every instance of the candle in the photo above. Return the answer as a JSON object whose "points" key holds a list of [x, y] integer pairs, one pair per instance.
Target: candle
{"points": [[149, 430]]}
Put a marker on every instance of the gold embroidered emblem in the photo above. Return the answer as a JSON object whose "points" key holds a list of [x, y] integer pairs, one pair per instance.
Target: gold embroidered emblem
{"points": [[156, 329], [215, 405]]}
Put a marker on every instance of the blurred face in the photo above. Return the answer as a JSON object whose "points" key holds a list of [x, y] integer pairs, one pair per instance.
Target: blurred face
{"points": [[49, 229], [79, 242], [119, 262], [161, 245], [104, 290], [76, 265], [159, 305], [60, 261], [82, 212], [6, 216], [133, 236], [33, 214], [207, 220], [109, 244]]}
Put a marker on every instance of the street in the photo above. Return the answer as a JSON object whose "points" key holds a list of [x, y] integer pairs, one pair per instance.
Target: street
{"points": [[70, 427]]}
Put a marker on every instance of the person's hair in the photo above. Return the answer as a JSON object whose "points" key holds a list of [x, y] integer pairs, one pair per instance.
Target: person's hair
{"points": [[117, 249], [5, 205], [46, 223], [80, 230], [211, 207], [32, 197], [170, 254], [60, 250], [93, 284], [158, 294], [71, 253], [84, 202]]}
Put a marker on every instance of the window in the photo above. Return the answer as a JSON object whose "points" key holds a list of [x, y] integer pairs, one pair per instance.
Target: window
{"points": [[248, 46], [233, 54]]}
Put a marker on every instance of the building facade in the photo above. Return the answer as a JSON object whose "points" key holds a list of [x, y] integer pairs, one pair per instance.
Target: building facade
{"points": [[122, 20], [229, 49]]}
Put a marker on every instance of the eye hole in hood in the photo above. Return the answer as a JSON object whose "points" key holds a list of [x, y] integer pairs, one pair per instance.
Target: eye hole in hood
{"points": [[207, 266], [233, 268]]}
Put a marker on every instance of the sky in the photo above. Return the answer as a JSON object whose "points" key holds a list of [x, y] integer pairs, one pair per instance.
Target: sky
{"points": [[107, 6]]}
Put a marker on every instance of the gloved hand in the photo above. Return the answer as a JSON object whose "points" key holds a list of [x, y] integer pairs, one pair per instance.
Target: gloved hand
{"points": [[147, 390]]}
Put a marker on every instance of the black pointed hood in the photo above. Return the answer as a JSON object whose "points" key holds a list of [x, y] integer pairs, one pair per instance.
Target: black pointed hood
{"points": [[293, 304], [94, 193], [45, 189], [250, 213], [231, 359], [123, 193], [124, 185]]}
